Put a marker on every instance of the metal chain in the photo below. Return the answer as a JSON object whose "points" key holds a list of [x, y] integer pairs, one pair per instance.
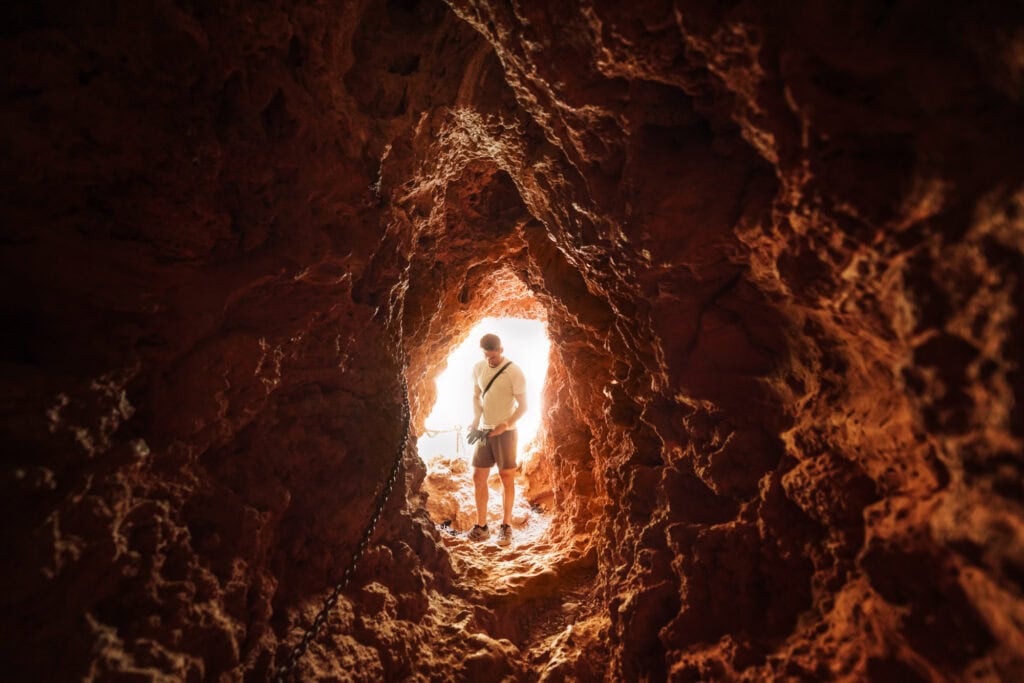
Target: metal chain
{"points": [[435, 432], [458, 436], [313, 632]]}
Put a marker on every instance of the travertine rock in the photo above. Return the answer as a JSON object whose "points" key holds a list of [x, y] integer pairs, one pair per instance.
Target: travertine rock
{"points": [[779, 254]]}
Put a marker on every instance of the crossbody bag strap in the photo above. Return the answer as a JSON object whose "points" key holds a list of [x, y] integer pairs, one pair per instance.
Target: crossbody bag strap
{"points": [[495, 377]]}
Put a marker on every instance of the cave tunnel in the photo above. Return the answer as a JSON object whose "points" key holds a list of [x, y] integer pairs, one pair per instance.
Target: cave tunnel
{"points": [[778, 250]]}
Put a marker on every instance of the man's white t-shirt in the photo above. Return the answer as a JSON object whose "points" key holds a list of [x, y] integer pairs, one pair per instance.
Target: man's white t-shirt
{"points": [[499, 402]]}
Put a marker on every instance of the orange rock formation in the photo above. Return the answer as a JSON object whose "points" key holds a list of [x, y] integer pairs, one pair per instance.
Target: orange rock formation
{"points": [[779, 250]]}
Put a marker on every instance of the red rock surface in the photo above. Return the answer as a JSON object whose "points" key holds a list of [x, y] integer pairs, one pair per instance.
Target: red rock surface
{"points": [[778, 249]]}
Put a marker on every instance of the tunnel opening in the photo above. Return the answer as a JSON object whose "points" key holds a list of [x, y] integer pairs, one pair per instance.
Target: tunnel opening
{"points": [[443, 446], [533, 589], [526, 343]]}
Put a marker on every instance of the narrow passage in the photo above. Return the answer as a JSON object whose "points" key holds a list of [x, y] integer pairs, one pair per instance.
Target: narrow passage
{"points": [[540, 592]]}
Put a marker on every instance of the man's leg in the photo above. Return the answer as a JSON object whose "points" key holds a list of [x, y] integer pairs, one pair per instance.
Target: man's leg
{"points": [[480, 489], [508, 493]]}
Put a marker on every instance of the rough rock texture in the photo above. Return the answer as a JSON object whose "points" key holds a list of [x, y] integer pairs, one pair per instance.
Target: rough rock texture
{"points": [[779, 251]]}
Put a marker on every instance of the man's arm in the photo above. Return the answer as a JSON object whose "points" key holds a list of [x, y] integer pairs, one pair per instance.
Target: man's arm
{"points": [[478, 409], [511, 422]]}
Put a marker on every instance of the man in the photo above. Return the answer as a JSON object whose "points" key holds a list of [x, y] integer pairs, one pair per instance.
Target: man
{"points": [[499, 400]]}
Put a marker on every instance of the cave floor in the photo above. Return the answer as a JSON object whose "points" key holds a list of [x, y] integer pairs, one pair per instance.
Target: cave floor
{"points": [[538, 593], [538, 590], [524, 568]]}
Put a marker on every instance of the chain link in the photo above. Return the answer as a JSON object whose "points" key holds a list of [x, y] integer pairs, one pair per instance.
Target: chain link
{"points": [[313, 632]]}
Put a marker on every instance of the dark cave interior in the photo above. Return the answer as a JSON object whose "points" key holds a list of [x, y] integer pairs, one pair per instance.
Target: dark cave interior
{"points": [[778, 250]]}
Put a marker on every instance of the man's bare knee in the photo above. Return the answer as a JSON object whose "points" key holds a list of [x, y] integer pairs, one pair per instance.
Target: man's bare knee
{"points": [[507, 476], [480, 474]]}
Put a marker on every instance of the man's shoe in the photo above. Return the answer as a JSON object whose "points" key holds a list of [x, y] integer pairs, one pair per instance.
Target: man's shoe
{"points": [[504, 534], [478, 533]]}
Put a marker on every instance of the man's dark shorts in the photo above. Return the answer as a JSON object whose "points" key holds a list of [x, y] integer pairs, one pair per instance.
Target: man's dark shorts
{"points": [[500, 450]]}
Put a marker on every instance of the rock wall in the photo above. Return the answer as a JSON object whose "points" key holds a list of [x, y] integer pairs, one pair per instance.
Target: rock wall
{"points": [[778, 251]]}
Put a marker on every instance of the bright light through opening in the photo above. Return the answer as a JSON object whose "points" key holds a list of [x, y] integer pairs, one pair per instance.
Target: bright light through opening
{"points": [[526, 344]]}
